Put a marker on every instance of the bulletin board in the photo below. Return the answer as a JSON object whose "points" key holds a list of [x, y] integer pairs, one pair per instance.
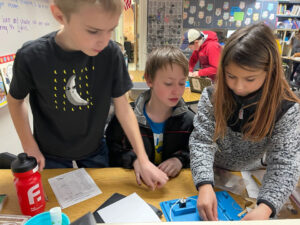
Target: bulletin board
{"points": [[230, 14], [164, 23]]}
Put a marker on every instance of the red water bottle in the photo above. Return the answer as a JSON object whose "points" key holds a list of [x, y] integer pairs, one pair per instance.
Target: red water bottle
{"points": [[28, 185]]}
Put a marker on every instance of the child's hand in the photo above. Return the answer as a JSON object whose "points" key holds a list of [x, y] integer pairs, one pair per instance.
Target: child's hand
{"points": [[193, 74], [261, 212], [149, 174], [36, 153], [137, 169], [207, 203], [171, 166]]}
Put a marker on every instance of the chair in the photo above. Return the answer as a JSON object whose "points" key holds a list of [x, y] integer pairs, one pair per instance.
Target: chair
{"points": [[5, 160]]}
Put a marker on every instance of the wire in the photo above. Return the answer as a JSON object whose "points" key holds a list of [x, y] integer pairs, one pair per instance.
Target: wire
{"points": [[170, 213]]}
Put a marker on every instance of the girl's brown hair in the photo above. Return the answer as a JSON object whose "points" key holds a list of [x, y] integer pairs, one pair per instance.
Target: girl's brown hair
{"points": [[70, 6], [161, 57], [254, 47]]}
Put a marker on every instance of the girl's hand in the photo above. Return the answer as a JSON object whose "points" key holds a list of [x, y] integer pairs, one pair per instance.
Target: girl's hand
{"points": [[207, 203], [261, 212], [171, 166]]}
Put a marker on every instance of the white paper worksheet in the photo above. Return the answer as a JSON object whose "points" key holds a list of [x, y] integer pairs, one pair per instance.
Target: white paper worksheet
{"points": [[131, 209], [73, 187]]}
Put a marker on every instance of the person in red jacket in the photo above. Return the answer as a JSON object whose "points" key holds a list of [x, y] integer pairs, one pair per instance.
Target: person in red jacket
{"points": [[206, 49]]}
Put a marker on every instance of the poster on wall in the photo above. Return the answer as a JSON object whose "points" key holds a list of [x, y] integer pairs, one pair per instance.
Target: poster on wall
{"points": [[6, 70], [164, 23], [3, 100], [228, 14]]}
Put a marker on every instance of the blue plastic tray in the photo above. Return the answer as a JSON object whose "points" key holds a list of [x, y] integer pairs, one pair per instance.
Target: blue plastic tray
{"points": [[228, 209]]}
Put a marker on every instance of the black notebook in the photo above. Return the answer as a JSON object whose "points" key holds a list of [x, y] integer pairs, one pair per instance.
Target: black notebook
{"points": [[114, 198], [87, 219]]}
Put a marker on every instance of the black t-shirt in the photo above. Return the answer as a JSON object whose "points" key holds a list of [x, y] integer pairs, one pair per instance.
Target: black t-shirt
{"points": [[70, 94]]}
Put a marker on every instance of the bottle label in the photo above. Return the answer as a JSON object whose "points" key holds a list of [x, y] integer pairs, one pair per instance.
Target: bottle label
{"points": [[34, 194], [35, 169]]}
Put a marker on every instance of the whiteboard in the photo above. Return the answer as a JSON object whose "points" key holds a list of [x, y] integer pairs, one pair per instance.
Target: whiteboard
{"points": [[24, 20]]}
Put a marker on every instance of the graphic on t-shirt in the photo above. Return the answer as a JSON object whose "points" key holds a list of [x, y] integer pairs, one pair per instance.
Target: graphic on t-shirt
{"points": [[158, 143], [72, 90], [72, 94]]}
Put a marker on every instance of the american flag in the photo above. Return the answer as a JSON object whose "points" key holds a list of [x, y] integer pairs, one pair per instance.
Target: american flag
{"points": [[127, 4]]}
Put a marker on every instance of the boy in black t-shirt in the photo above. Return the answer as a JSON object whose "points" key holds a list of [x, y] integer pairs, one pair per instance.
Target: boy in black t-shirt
{"points": [[71, 76]]}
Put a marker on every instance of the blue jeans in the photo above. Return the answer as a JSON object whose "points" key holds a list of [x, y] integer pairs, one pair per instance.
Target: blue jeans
{"points": [[98, 160]]}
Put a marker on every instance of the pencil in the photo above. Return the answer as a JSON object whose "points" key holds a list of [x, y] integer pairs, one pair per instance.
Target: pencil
{"points": [[256, 180]]}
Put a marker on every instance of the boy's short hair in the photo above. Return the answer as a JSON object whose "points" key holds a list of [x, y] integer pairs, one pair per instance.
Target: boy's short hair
{"points": [[70, 6], [162, 57]]}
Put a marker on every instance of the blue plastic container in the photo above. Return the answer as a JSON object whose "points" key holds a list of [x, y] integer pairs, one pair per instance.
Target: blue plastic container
{"points": [[228, 209], [45, 219]]}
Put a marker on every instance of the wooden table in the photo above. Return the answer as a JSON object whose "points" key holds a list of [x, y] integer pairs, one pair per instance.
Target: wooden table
{"points": [[188, 96], [110, 181]]}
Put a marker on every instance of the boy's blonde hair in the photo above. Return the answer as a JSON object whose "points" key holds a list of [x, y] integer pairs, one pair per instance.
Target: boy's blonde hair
{"points": [[162, 57], [71, 6]]}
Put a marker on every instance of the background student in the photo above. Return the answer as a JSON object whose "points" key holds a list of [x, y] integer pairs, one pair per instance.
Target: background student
{"points": [[295, 43], [71, 76], [164, 119], [250, 120], [206, 49]]}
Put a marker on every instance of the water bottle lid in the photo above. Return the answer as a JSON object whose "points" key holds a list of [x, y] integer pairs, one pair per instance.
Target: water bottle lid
{"points": [[23, 163]]}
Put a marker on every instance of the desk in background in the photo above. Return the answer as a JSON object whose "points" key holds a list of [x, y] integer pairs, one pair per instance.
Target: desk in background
{"points": [[110, 181], [188, 96], [289, 61]]}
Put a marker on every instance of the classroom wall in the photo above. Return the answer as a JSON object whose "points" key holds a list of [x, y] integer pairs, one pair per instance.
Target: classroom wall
{"points": [[9, 140], [228, 14], [142, 34], [166, 22]]}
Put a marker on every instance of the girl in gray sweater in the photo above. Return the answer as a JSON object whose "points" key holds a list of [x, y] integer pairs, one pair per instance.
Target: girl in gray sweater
{"points": [[249, 120]]}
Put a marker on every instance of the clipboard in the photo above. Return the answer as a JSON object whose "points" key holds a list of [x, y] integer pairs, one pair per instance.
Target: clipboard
{"points": [[197, 84]]}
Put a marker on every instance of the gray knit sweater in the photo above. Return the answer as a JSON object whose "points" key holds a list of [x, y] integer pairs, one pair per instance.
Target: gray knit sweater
{"points": [[282, 151]]}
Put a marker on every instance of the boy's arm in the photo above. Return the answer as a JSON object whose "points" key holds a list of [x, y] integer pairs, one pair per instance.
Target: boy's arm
{"points": [[151, 175], [19, 115], [193, 61], [213, 55]]}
